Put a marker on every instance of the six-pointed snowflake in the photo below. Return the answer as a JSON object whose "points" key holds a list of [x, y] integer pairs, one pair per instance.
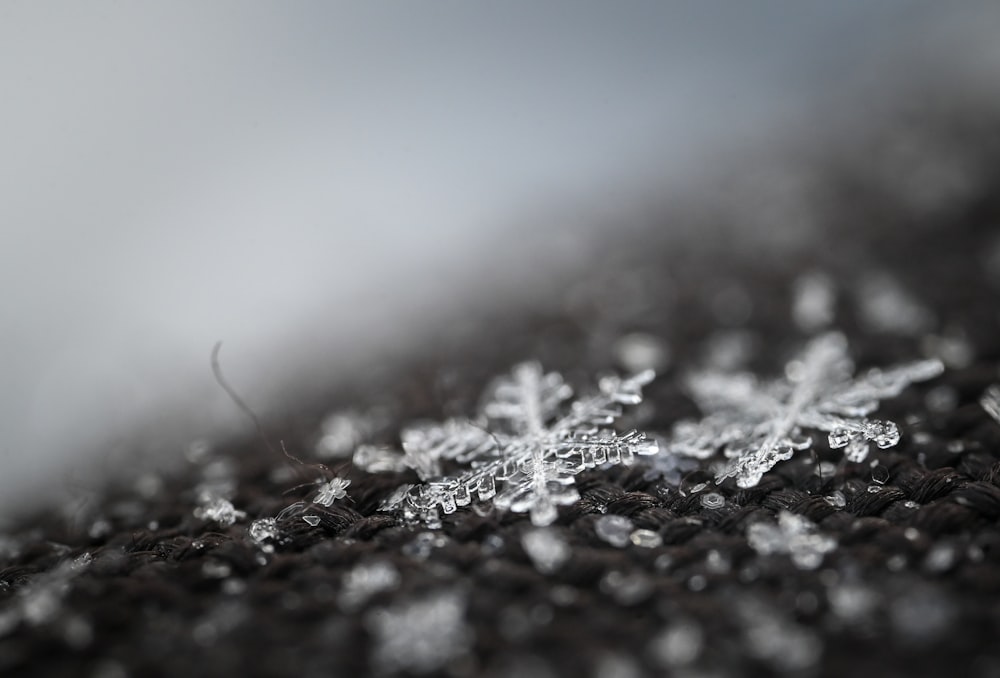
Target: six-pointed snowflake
{"points": [[528, 442], [758, 424]]}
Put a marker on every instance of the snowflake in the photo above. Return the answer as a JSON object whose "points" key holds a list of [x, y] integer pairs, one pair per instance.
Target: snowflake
{"points": [[757, 424], [331, 491], [527, 441]]}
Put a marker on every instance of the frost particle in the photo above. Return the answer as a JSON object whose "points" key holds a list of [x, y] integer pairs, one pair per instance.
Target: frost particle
{"points": [[615, 530], [311, 520], [646, 539], [794, 535], [990, 402], [546, 548], [263, 530], [219, 511], [331, 491], [713, 500]]}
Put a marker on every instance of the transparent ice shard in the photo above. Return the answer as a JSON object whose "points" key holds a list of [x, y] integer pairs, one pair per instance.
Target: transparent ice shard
{"points": [[758, 424]]}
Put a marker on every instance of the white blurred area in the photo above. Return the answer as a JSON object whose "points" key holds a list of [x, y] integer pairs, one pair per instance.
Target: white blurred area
{"points": [[312, 182]]}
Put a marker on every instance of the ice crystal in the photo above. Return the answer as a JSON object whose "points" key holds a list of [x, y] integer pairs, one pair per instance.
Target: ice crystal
{"points": [[756, 425], [528, 442], [794, 535], [264, 530], [331, 491], [647, 539], [546, 548], [220, 511], [615, 530], [420, 636], [991, 402]]}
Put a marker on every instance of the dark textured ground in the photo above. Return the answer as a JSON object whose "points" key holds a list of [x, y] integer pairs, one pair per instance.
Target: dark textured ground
{"points": [[912, 589]]}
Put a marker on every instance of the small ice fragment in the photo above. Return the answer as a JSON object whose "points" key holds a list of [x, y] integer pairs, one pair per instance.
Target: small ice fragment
{"points": [[330, 491], [794, 535], [219, 511], [646, 539], [990, 402], [615, 530], [311, 520], [263, 530], [713, 500], [546, 548]]}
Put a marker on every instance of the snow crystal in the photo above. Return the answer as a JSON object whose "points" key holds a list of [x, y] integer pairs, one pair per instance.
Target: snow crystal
{"points": [[546, 548], [331, 491], [364, 581], [263, 530], [646, 539], [615, 530], [420, 636], [713, 500], [756, 425], [526, 443], [794, 535], [311, 520], [219, 511], [990, 402]]}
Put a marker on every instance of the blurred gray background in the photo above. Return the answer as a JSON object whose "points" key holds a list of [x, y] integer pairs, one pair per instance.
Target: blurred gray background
{"points": [[318, 182]]}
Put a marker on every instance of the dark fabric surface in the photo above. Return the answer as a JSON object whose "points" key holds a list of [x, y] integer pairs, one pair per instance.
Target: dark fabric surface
{"points": [[911, 588]]}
